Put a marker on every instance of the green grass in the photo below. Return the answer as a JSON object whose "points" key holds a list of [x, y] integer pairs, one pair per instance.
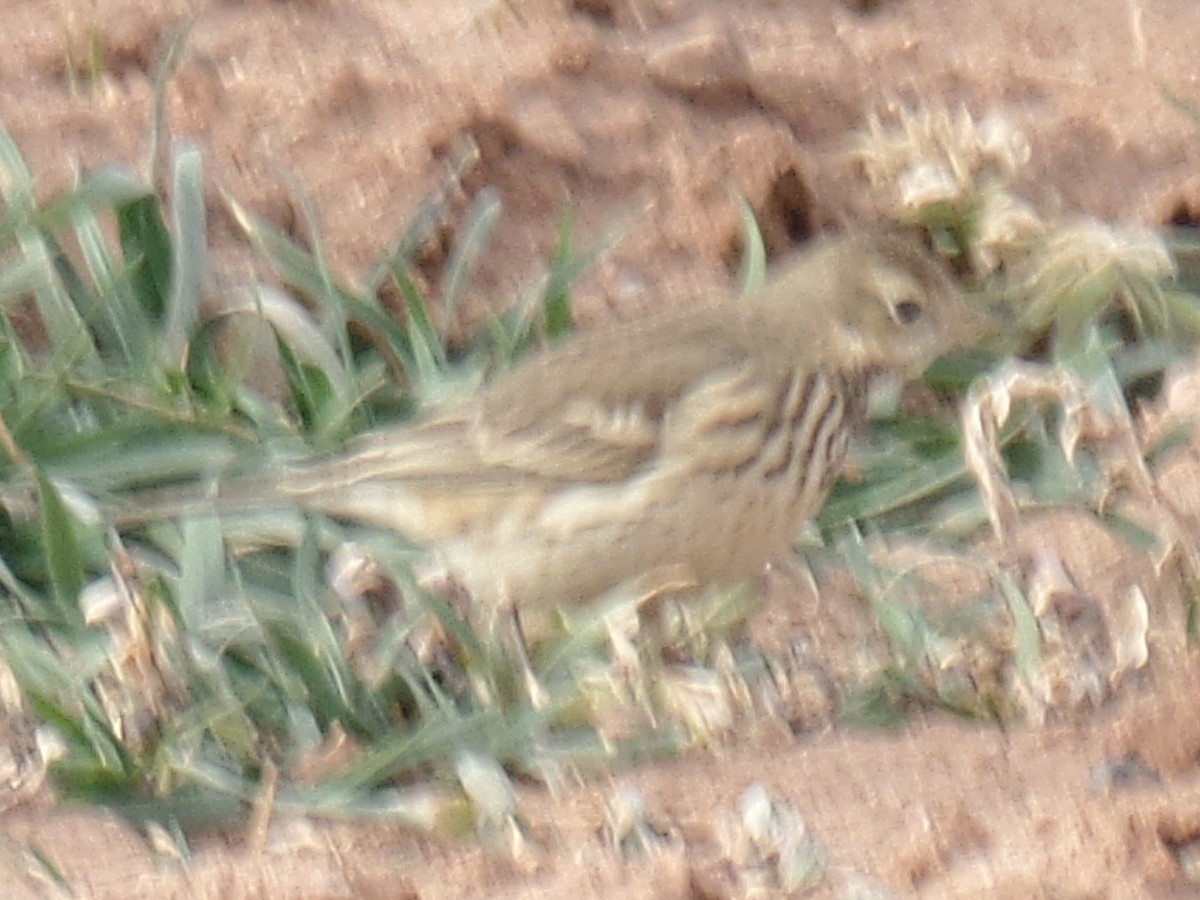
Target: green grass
{"points": [[210, 663], [177, 663]]}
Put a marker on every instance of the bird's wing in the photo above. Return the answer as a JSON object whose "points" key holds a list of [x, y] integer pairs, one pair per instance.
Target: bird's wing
{"points": [[594, 410], [602, 408], [585, 440]]}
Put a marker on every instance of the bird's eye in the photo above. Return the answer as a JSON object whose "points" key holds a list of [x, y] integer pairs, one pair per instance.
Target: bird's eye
{"points": [[907, 311]]}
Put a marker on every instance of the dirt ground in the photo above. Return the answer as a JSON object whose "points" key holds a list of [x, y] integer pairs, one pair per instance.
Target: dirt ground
{"points": [[650, 115]]}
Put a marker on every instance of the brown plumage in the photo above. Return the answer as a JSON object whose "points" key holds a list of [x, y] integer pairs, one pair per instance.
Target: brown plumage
{"points": [[700, 436]]}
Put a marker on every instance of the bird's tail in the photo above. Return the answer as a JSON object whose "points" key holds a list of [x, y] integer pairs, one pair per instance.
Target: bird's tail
{"points": [[383, 479]]}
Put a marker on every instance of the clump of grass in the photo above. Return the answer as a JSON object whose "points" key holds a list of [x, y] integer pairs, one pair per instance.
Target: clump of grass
{"points": [[170, 667], [1096, 315], [189, 670]]}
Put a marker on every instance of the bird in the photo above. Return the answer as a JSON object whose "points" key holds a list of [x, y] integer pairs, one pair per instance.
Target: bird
{"points": [[699, 437]]}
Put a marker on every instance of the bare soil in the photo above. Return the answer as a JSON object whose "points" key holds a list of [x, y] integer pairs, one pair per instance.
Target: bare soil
{"points": [[650, 116]]}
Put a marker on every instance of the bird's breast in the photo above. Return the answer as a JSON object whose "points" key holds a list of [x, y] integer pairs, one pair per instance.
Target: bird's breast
{"points": [[744, 461]]}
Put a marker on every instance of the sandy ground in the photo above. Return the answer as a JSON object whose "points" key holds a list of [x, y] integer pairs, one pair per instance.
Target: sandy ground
{"points": [[651, 116]]}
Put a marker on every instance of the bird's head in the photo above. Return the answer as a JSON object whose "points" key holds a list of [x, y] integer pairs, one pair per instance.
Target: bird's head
{"points": [[877, 300]]}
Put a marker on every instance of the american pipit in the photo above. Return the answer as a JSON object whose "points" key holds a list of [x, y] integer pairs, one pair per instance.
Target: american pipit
{"points": [[699, 437]]}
